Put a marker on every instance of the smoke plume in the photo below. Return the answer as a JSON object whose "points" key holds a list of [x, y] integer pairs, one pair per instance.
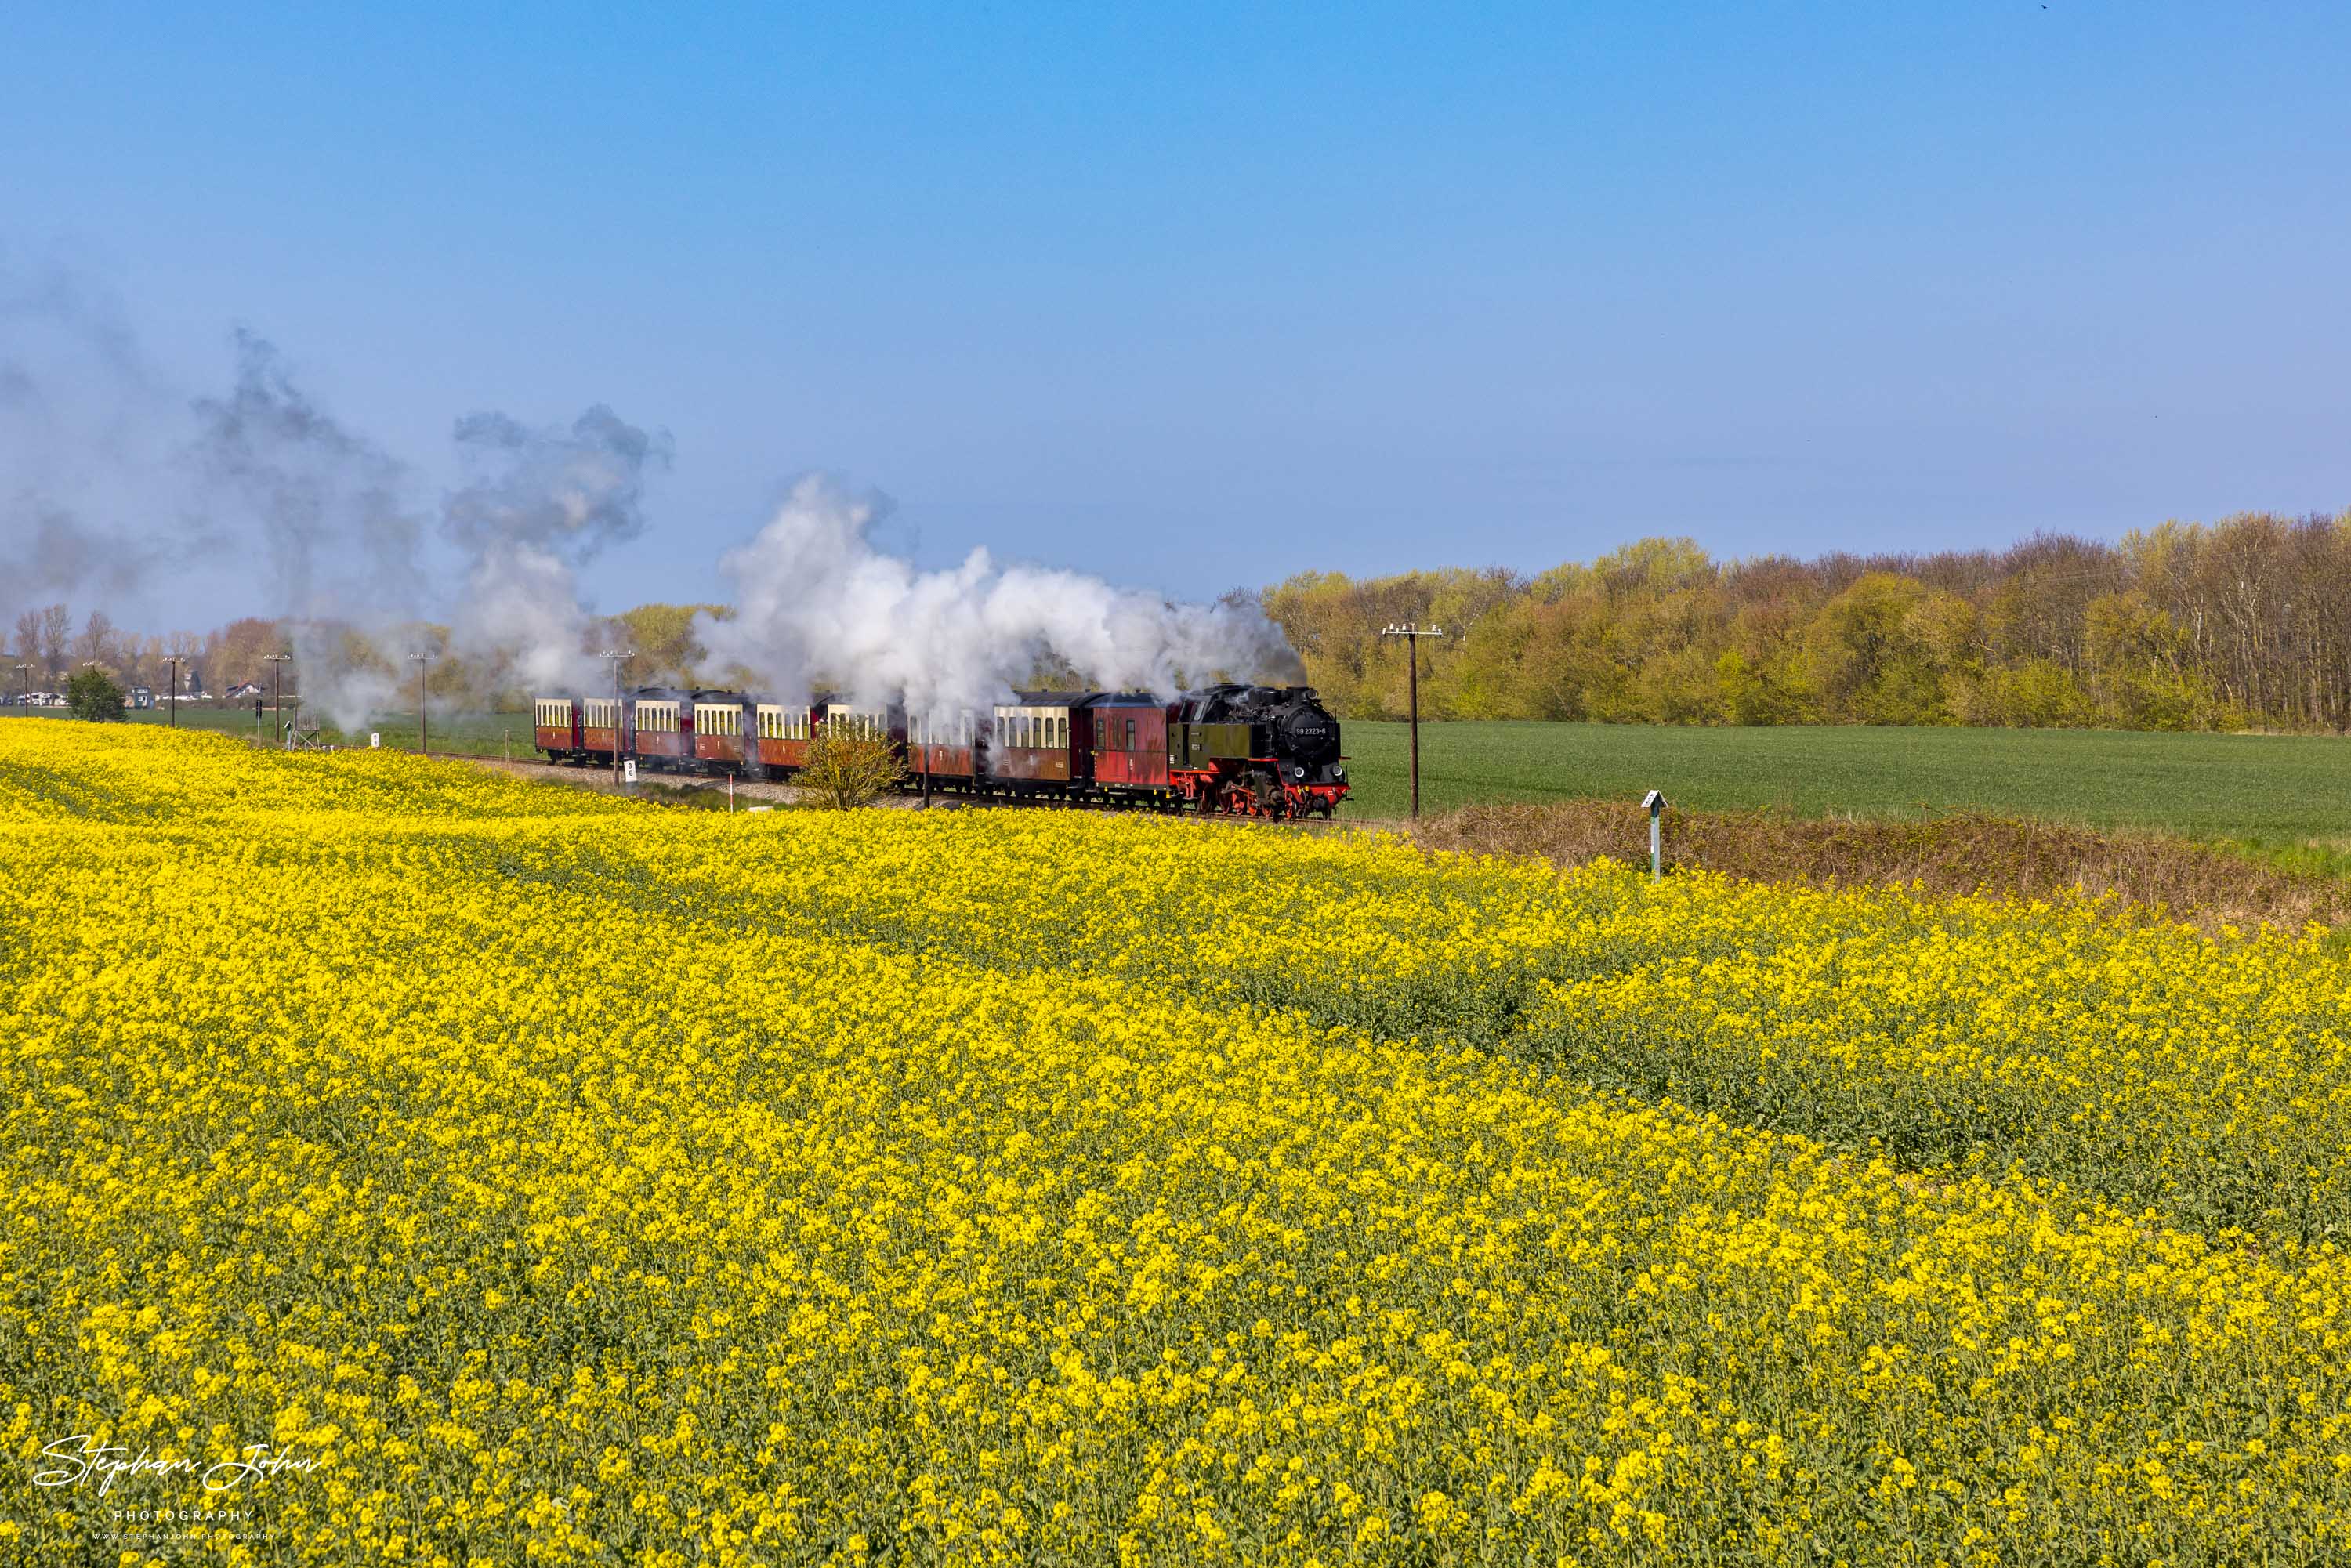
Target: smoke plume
{"points": [[53, 551], [346, 543], [816, 602], [339, 536], [542, 504], [83, 420], [356, 560]]}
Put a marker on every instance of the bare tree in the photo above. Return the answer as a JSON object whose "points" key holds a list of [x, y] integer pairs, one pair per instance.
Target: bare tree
{"points": [[56, 625], [96, 644]]}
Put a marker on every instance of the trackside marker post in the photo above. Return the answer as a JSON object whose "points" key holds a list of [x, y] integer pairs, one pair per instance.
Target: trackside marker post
{"points": [[1655, 802]]}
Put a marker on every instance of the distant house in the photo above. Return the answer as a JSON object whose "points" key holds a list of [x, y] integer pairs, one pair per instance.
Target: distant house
{"points": [[139, 696], [242, 690]]}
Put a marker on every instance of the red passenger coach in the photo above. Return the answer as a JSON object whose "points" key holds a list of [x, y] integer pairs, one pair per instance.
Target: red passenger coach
{"points": [[783, 734], [661, 726], [600, 734], [952, 752], [720, 731], [1129, 743], [872, 722], [1031, 750], [556, 728]]}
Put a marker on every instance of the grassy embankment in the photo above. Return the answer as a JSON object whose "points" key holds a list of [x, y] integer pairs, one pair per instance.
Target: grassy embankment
{"points": [[2232, 827]]}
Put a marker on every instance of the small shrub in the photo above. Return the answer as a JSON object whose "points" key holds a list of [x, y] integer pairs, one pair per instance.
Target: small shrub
{"points": [[847, 768]]}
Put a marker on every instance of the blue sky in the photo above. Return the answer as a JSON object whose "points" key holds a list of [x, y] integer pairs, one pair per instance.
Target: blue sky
{"points": [[1195, 297]]}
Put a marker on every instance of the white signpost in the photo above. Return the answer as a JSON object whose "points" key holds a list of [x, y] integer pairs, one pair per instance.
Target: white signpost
{"points": [[1655, 802], [375, 739], [629, 771]]}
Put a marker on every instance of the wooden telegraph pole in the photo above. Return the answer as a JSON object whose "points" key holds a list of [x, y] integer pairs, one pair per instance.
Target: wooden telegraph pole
{"points": [[423, 736], [278, 705], [1412, 635], [619, 657]]}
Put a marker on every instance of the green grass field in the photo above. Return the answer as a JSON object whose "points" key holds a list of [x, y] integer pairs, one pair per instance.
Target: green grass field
{"points": [[2275, 789], [2266, 788]]}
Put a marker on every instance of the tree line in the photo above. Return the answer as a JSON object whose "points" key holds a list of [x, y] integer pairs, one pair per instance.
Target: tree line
{"points": [[50, 645], [2241, 623]]}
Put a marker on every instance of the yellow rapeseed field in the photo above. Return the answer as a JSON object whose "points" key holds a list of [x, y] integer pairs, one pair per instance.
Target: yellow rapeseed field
{"points": [[506, 1173]]}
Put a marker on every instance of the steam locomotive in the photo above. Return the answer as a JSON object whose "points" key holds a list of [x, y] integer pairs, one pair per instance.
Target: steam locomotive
{"points": [[1256, 751]]}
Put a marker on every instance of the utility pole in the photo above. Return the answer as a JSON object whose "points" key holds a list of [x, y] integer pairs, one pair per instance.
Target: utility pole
{"points": [[278, 711], [26, 671], [618, 657], [1412, 635], [423, 736], [174, 661]]}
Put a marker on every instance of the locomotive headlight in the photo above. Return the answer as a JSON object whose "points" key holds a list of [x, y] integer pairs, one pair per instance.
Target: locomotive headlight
{"points": [[1297, 772], [1338, 773]]}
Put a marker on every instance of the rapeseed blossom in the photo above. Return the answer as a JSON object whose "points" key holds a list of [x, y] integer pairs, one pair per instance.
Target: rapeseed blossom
{"points": [[581, 1183]]}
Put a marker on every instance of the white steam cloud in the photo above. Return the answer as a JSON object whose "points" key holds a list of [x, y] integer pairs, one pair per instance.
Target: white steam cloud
{"points": [[340, 540], [346, 544], [815, 601], [543, 504], [359, 562]]}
